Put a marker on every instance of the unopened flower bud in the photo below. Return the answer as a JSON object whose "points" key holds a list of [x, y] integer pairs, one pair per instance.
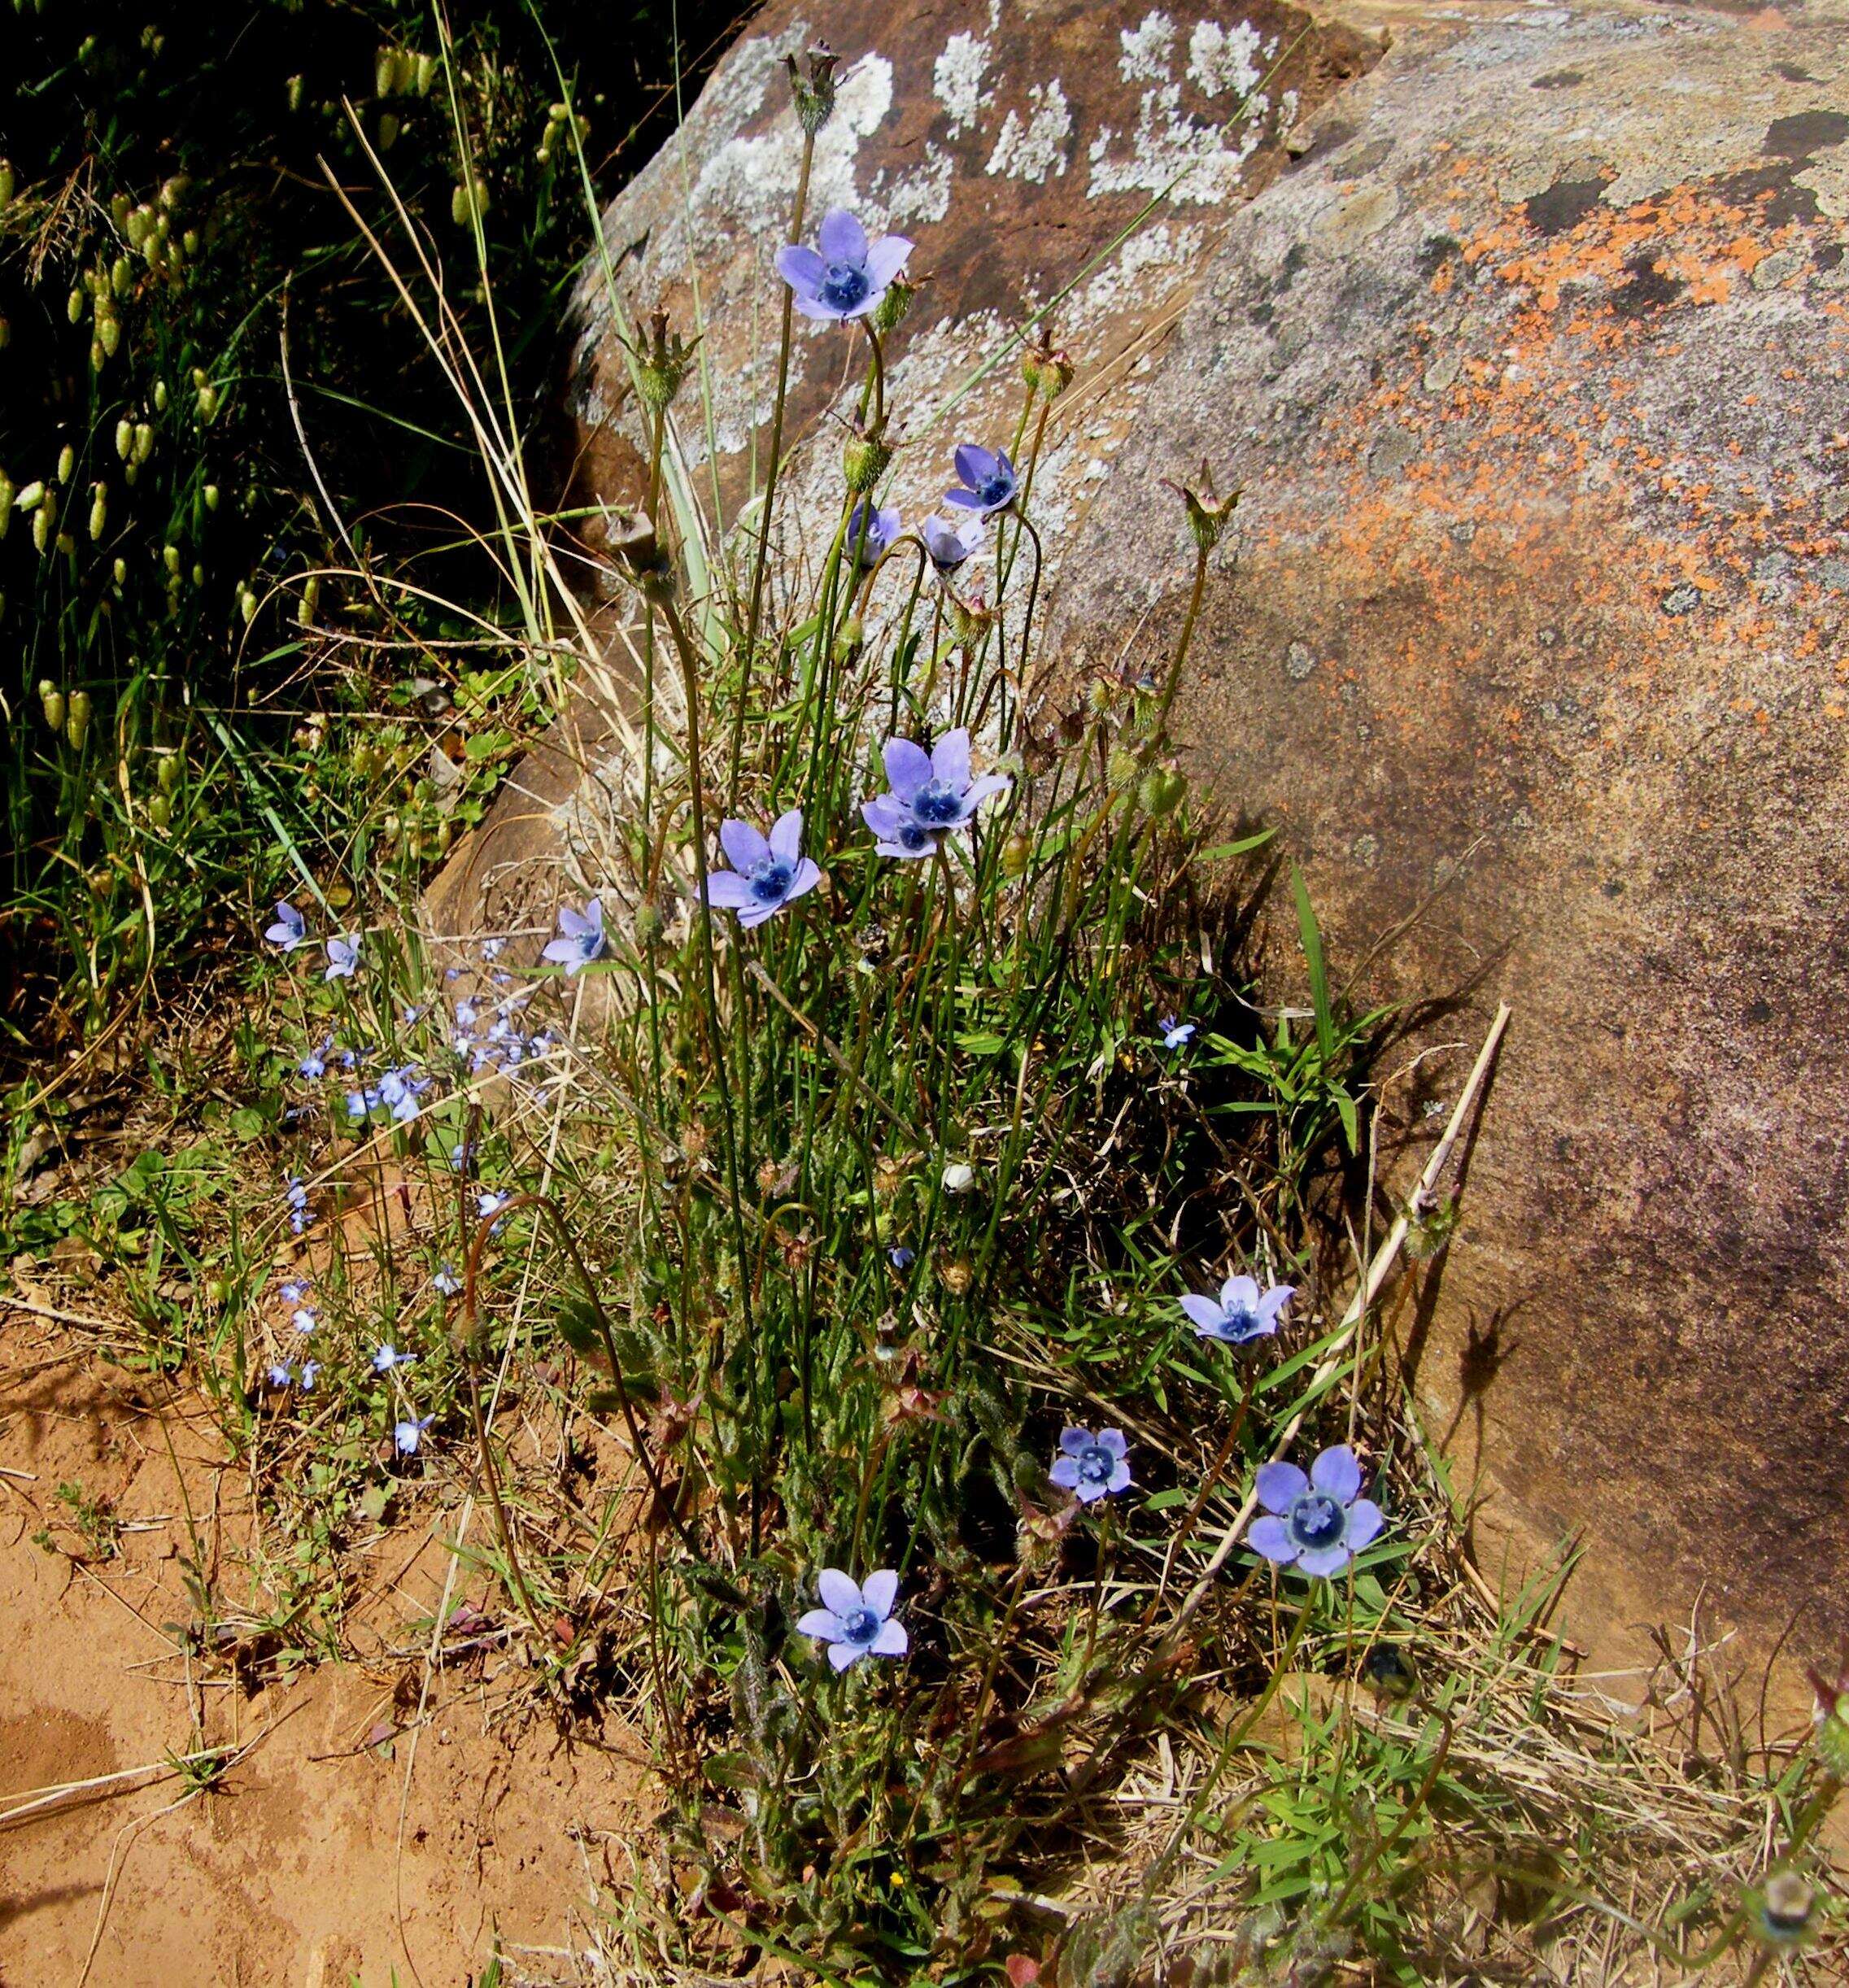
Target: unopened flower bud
{"points": [[211, 495], [959, 1177], [1120, 769], [1160, 791], [166, 772], [159, 810], [649, 926], [811, 86], [890, 312], [1208, 515], [1017, 853], [77, 717], [170, 557], [207, 398], [51, 703]]}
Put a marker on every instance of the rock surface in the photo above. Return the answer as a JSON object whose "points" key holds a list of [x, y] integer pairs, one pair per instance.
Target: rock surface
{"points": [[1530, 342]]}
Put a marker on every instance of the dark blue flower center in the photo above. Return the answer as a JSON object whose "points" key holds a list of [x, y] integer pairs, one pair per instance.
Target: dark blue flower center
{"points": [[995, 490], [846, 285], [937, 803], [860, 1626], [912, 837], [1316, 1519], [1241, 1322], [770, 881], [1095, 1464]]}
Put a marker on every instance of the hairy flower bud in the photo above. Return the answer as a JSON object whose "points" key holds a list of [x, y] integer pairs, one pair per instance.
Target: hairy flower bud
{"points": [[1208, 515], [77, 717], [866, 458], [662, 361], [890, 312], [1047, 371], [1161, 789], [811, 86]]}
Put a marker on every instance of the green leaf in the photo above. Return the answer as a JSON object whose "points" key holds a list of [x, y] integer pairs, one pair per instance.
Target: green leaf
{"points": [[577, 1328], [1312, 941], [247, 1122], [1163, 1501], [1222, 852]]}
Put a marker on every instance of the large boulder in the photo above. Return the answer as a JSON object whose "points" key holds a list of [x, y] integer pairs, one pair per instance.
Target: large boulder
{"points": [[1528, 340]]}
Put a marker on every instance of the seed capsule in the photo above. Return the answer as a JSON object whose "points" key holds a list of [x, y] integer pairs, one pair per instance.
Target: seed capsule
{"points": [[124, 439], [67, 462], [144, 437], [98, 512], [51, 703], [1017, 853], [119, 569], [159, 809], [207, 399], [161, 396], [74, 304], [170, 554], [211, 495], [77, 719]]}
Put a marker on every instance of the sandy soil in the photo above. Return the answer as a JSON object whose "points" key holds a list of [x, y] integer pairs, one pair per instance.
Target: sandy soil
{"points": [[354, 1838]]}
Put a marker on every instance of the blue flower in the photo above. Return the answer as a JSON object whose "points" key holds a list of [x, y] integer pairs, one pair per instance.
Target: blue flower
{"points": [[582, 938], [1242, 1311], [932, 796], [856, 1621], [343, 955], [359, 1103], [989, 483], [1175, 1034], [315, 1063], [400, 1088], [490, 1201], [289, 931], [1091, 1467], [949, 544], [295, 1292], [389, 1357], [446, 1280], [296, 1194], [901, 1258], [491, 949], [872, 531], [311, 1369], [848, 276], [409, 1434], [278, 1376], [1317, 1524], [765, 874], [304, 1318]]}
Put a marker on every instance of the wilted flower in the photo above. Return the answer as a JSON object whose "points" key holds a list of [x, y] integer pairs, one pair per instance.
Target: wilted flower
{"points": [[932, 795], [872, 532], [1174, 1034], [343, 955], [445, 1280], [848, 276], [989, 483], [1091, 1467], [389, 1357], [407, 1435], [1317, 1524], [1242, 1312], [811, 86], [583, 937], [948, 544], [765, 874], [289, 931], [856, 1621]]}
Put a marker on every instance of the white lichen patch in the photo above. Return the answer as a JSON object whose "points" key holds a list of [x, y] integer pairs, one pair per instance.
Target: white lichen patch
{"points": [[1148, 49], [1151, 265], [1222, 58], [1039, 146], [922, 195], [1171, 152], [957, 79]]}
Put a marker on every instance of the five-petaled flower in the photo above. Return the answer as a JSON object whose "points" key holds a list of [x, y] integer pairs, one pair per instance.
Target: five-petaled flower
{"points": [[949, 544], [581, 940], [1241, 1312], [871, 532], [1316, 1524], [1090, 1466], [289, 931], [989, 483], [343, 955], [409, 1434], [932, 796], [1175, 1034], [389, 1357], [766, 874], [856, 1621], [445, 1280], [848, 275]]}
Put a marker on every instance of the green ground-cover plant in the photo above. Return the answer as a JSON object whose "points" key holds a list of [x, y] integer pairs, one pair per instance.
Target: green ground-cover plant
{"points": [[857, 1292]]}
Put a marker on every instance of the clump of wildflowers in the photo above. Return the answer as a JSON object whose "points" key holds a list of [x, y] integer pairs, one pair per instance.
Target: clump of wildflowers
{"points": [[988, 482], [933, 795], [767, 873], [1241, 1313], [1091, 1467], [1316, 1524], [856, 1620], [848, 275], [581, 938]]}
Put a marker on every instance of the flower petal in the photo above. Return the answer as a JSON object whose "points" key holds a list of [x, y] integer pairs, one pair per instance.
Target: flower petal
{"points": [[975, 465], [1111, 1441], [807, 876], [728, 892], [1240, 1293], [787, 836], [1337, 1471], [840, 1655], [1275, 1299], [839, 1591], [742, 844], [802, 269], [1072, 1441], [1277, 1484], [964, 500], [842, 238], [813, 306], [573, 924], [950, 759], [1065, 1473], [562, 951], [1119, 1478], [1271, 1538], [1366, 1521], [883, 815], [885, 259], [1208, 1317], [822, 1622], [880, 1590], [979, 791], [892, 1641], [900, 853], [1324, 1561], [908, 767]]}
